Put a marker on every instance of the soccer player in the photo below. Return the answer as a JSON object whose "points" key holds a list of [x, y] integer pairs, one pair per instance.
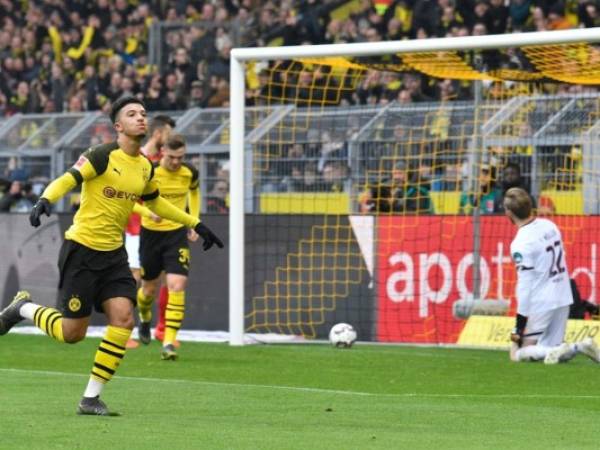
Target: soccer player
{"points": [[543, 287], [161, 127], [164, 246], [93, 262], [159, 130]]}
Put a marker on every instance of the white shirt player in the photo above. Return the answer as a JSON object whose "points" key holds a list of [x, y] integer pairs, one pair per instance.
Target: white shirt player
{"points": [[543, 278]]}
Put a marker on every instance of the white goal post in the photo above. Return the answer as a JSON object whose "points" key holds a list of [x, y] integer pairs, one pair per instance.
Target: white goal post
{"points": [[237, 109]]}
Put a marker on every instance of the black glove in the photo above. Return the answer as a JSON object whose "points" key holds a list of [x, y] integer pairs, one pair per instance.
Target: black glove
{"points": [[207, 236], [41, 207]]}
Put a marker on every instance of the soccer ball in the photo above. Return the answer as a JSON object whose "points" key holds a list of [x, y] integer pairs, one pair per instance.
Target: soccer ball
{"points": [[342, 335]]}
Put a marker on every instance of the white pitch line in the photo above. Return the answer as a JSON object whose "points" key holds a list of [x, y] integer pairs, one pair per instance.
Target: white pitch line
{"points": [[310, 390]]}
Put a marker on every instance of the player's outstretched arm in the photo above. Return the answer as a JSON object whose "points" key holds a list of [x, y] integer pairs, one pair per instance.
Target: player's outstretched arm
{"points": [[166, 210], [145, 212], [90, 164], [54, 192]]}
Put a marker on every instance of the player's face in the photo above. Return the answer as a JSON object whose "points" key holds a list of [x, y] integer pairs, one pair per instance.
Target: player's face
{"points": [[172, 159], [132, 121]]}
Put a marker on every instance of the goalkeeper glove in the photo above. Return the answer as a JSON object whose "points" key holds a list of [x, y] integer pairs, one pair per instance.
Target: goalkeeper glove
{"points": [[517, 333], [207, 236], [41, 207]]}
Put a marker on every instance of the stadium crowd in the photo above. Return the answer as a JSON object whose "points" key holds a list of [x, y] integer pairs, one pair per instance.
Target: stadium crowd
{"points": [[76, 55]]}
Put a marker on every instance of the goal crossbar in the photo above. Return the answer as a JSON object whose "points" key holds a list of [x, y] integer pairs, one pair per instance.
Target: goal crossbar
{"points": [[493, 41]]}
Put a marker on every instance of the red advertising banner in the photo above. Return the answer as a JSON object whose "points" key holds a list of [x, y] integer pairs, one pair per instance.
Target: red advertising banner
{"points": [[425, 264]]}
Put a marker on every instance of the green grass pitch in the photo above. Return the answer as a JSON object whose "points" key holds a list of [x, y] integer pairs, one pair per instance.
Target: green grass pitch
{"points": [[296, 397]]}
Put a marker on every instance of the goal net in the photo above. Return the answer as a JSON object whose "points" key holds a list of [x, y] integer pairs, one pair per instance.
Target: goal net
{"points": [[367, 181]]}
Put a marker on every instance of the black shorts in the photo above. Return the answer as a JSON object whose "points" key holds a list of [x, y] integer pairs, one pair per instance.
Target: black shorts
{"points": [[164, 250], [89, 277]]}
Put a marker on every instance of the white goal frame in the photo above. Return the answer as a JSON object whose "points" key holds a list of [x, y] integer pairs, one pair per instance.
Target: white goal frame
{"points": [[237, 109]]}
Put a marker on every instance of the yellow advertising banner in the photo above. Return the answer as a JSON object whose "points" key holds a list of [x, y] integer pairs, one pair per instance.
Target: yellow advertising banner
{"points": [[494, 331]]}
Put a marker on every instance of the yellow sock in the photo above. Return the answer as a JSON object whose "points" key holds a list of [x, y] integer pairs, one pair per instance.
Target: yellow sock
{"points": [[49, 320], [110, 353], [144, 304], [174, 316]]}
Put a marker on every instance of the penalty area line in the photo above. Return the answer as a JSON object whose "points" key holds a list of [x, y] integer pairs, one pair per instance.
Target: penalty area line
{"points": [[308, 389]]}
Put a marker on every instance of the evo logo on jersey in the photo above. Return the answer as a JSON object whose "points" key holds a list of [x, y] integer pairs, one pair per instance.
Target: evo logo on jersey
{"points": [[110, 192]]}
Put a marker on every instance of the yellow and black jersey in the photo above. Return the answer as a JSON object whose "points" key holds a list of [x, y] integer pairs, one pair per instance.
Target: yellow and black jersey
{"points": [[112, 181], [180, 188]]}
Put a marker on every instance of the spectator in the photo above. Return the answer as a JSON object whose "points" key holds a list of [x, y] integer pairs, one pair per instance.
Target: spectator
{"points": [[519, 11], [198, 97], [511, 177], [311, 181], [376, 199], [413, 84], [18, 198], [399, 194], [450, 179], [335, 175], [488, 198], [294, 182], [216, 202], [14, 171], [497, 17], [101, 48], [409, 193]]}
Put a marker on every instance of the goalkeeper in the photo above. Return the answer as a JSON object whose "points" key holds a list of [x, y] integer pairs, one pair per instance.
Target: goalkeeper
{"points": [[94, 272], [543, 287]]}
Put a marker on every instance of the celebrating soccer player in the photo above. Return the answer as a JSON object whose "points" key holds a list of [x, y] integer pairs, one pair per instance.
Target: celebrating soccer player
{"points": [[164, 245], [93, 262], [543, 287]]}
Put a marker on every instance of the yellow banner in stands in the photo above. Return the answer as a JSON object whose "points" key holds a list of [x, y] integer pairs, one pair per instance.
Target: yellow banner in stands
{"points": [[304, 203], [494, 332]]}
